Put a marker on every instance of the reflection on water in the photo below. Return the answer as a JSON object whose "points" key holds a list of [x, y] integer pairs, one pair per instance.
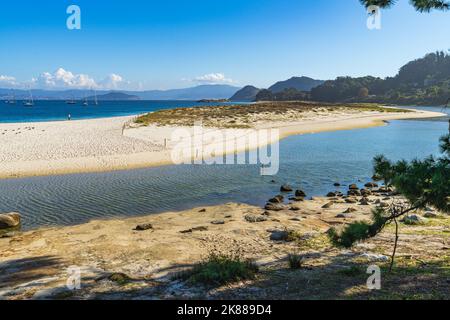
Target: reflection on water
{"points": [[311, 162]]}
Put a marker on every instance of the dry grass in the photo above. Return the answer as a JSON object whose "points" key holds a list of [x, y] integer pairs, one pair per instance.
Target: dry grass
{"points": [[245, 116]]}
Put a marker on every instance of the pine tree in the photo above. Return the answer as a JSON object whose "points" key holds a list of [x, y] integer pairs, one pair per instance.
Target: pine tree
{"points": [[420, 5], [423, 183]]}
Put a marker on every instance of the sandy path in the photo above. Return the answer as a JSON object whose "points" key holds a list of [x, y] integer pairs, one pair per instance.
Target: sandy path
{"points": [[62, 147]]}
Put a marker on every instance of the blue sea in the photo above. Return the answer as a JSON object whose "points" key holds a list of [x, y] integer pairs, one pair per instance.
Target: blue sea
{"points": [[44, 110], [312, 162]]}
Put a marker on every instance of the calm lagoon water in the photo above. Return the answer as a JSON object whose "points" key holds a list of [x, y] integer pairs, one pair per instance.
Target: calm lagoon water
{"points": [[311, 162]]}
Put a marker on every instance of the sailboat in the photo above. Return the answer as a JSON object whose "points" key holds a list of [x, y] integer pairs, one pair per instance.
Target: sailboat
{"points": [[95, 97], [30, 101], [71, 101], [13, 100], [85, 103]]}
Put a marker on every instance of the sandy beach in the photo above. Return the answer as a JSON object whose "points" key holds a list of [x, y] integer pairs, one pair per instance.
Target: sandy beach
{"points": [[63, 147], [35, 264]]}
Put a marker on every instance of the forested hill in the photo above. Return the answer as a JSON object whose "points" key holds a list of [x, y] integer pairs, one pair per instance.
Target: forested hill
{"points": [[422, 81]]}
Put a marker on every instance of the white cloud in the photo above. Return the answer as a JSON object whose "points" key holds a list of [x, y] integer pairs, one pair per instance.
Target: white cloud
{"points": [[7, 80], [64, 79], [113, 81], [213, 78]]}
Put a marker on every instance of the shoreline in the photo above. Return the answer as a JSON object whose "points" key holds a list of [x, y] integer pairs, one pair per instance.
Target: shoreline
{"points": [[102, 145]]}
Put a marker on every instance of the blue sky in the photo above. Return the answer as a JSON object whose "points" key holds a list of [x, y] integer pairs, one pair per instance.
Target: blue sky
{"points": [[179, 43]]}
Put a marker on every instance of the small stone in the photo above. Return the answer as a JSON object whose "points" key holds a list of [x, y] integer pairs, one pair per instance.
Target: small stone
{"points": [[375, 257], [364, 202], [431, 214], [300, 193], [328, 205], [331, 194], [120, 278], [351, 200], [414, 219], [343, 216], [274, 207], [297, 199], [353, 187], [337, 184], [144, 227], [202, 210], [384, 205], [254, 218], [295, 207], [217, 222], [350, 210], [279, 235]]}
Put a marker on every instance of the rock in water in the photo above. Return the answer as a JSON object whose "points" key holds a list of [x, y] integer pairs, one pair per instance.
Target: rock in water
{"points": [[286, 188], [277, 199], [371, 185], [10, 220], [300, 193], [353, 187]]}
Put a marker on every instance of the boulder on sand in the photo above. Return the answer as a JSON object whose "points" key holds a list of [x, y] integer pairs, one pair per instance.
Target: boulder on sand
{"points": [[10, 220], [300, 193], [328, 205], [274, 207]]}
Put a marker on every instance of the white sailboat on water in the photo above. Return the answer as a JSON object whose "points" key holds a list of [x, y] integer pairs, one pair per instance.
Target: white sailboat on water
{"points": [[13, 100], [95, 97], [29, 102]]}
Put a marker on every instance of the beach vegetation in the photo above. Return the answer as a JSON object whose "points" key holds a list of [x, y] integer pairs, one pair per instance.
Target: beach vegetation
{"points": [[295, 261], [424, 183], [419, 5], [220, 269]]}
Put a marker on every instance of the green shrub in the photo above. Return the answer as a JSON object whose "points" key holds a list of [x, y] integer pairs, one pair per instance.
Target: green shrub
{"points": [[220, 269], [295, 261]]}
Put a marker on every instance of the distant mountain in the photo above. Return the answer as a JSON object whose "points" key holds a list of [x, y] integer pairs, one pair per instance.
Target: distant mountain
{"points": [[298, 83], [115, 96], [195, 93], [210, 92], [248, 93]]}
